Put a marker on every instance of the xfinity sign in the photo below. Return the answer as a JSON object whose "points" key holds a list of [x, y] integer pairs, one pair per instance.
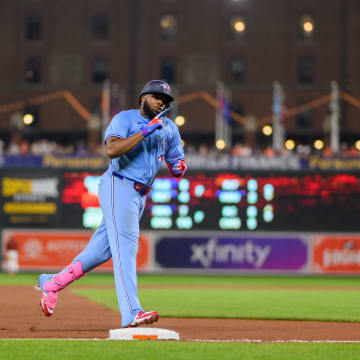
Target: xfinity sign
{"points": [[232, 252], [211, 252]]}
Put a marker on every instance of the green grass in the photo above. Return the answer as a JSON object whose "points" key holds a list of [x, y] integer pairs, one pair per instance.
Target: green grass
{"points": [[249, 280], [98, 350], [206, 280], [262, 297], [322, 305]]}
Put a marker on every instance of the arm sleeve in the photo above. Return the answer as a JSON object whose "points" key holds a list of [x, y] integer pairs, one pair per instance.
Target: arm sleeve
{"points": [[118, 127], [175, 151]]}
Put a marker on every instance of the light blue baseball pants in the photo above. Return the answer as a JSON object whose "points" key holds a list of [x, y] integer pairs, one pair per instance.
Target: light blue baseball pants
{"points": [[117, 236]]}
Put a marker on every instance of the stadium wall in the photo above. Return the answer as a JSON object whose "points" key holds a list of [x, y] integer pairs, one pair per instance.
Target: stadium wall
{"points": [[200, 252]]}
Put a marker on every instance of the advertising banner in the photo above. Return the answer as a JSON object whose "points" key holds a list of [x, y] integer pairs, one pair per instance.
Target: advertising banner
{"points": [[55, 161], [75, 162], [336, 254], [227, 162], [52, 250], [253, 253], [325, 164], [194, 162]]}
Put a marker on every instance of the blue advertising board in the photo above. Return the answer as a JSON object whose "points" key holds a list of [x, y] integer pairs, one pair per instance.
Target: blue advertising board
{"points": [[233, 253]]}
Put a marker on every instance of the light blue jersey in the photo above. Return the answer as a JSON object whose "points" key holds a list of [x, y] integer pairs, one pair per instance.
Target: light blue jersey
{"points": [[144, 161]]}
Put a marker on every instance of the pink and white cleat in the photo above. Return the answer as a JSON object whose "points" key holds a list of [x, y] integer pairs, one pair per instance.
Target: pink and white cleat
{"points": [[144, 318], [48, 298], [48, 303]]}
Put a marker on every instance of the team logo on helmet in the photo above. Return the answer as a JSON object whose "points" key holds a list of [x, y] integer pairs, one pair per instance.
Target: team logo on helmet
{"points": [[165, 86]]}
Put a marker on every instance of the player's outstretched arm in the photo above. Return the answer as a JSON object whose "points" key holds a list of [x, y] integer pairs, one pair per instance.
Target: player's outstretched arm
{"points": [[116, 146]]}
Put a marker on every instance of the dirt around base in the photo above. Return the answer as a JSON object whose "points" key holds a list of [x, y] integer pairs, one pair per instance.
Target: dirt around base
{"points": [[76, 317]]}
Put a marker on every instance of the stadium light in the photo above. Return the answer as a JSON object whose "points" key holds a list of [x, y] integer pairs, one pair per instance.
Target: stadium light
{"points": [[267, 130], [357, 145], [168, 22], [220, 144], [239, 26], [290, 144], [318, 144], [180, 120], [28, 119], [308, 26]]}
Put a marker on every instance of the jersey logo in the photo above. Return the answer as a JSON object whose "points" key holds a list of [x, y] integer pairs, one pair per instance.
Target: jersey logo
{"points": [[161, 158]]}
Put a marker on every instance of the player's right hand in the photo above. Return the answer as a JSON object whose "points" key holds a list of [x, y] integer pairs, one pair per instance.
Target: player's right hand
{"points": [[177, 168], [153, 125]]}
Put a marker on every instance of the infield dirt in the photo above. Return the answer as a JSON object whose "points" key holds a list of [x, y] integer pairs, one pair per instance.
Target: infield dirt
{"points": [[77, 317]]}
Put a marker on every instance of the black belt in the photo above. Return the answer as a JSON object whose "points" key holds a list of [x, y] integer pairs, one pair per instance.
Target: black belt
{"points": [[139, 187]]}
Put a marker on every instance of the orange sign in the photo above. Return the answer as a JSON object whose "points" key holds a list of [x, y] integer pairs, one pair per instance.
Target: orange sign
{"points": [[53, 250], [336, 254]]}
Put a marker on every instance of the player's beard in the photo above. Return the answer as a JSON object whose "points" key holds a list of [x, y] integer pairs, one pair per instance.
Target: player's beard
{"points": [[148, 111]]}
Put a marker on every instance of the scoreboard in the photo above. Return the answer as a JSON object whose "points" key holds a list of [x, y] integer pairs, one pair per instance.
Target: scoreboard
{"points": [[229, 201], [30, 199]]}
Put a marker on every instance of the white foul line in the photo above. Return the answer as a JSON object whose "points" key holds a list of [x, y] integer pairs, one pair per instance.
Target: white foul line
{"points": [[243, 341], [257, 341]]}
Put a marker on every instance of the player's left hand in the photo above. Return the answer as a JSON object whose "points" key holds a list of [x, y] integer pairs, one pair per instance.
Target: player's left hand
{"points": [[177, 168], [153, 125]]}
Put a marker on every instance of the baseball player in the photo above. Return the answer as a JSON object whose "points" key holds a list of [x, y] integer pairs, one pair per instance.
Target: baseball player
{"points": [[136, 141], [12, 257]]}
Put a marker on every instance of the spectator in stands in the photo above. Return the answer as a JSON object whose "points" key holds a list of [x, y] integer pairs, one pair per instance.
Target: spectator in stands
{"points": [[82, 149], [42, 147], [203, 150], [353, 152], [269, 151], [327, 151], [13, 149], [303, 150], [247, 151], [343, 149], [190, 149], [24, 148], [237, 149]]}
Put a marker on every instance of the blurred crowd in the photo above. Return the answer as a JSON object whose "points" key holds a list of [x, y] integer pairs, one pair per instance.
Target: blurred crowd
{"points": [[45, 147], [243, 150]]}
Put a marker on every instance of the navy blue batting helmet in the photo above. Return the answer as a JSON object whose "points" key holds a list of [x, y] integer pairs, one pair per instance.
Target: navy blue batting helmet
{"points": [[157, 87]]}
